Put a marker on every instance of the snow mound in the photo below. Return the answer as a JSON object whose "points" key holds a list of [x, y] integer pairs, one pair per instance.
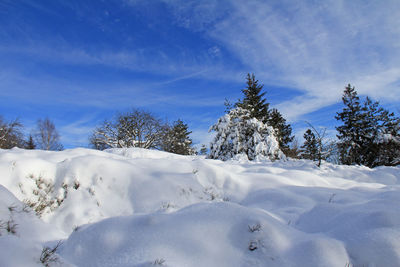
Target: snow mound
{"points": [[22, 234], [207, 234], [136, 207]]}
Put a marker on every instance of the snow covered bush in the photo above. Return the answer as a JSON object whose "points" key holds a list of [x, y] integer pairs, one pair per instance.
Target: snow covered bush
{"points": [[43, 198], [49, 255], [238, 134]]}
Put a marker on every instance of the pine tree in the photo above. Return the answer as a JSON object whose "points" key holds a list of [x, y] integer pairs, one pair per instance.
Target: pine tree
{"points": [[30, 144], [387, 141], [309, 148], [370, 135], [253, 100], [177, 139], [258, 108], [239, 134], [369, 131], [283, 130], [349, 134]]}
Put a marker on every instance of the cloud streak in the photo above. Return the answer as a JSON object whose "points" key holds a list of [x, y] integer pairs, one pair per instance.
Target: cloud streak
{"points": [[316, 47]]}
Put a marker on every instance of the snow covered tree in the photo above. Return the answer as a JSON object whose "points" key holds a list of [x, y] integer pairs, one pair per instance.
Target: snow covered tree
{"points": [[137, 128], [10, 134], [258, 108], [46, 136], [176, 139], [237, 133], [309, 148]]}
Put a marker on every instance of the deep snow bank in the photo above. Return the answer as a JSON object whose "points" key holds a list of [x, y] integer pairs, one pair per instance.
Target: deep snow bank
{"points": [[190, 211], [22, 234], [206, 234]]}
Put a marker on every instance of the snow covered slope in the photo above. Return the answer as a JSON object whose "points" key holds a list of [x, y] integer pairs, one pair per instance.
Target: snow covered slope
{"points": [[136, 207]]}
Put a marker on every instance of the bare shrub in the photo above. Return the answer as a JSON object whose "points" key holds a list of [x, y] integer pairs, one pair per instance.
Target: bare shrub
{"points": [[254, 228], [49, 255]]}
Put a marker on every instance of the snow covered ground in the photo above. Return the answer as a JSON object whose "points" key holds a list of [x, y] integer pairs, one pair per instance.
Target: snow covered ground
{"points": [[135, 207]]}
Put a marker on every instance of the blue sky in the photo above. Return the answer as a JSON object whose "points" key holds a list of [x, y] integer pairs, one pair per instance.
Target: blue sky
{"points": [[79, 62]]}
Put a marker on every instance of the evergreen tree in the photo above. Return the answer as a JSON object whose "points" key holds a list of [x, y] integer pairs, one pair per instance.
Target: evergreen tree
{"points": [[258, 108], [349, 134], [370, 135], [309, 148], [30, 144], [387, 141], [369, 131], [239, 134], [283, 129], [177, 140], [253, 100]]}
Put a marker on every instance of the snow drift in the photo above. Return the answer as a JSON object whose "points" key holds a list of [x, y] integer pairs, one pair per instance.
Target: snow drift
{"points": [[136, 207]]}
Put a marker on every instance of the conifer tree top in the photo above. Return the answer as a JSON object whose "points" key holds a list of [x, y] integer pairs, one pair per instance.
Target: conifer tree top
{"points": [[254, 100]]}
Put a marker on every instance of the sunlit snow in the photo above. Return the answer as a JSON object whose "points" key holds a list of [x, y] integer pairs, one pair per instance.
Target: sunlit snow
{"points": [[137, 207]]}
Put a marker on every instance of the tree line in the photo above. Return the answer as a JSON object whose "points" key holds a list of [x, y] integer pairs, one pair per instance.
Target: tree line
{"points": [[369, 134], [139, 128], [45, 136]]}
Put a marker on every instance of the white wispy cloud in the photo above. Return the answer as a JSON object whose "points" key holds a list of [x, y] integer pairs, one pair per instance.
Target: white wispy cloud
{"points": [[316, 47]]}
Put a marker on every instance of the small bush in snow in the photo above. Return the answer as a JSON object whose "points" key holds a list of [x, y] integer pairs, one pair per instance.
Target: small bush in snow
{"points": [[254, 228], [211, 193], [159, 262], [331, 198], [49, 255], [76, 184], [226, 199], [44, 199], [12, 208], [10, 226], [165, 206]]}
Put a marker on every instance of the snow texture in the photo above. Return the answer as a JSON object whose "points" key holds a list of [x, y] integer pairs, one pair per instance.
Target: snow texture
{"points": [[138, 207]]}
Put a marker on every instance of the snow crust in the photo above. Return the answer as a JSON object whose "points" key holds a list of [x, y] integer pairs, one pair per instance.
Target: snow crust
{"points": [[138, 207]]}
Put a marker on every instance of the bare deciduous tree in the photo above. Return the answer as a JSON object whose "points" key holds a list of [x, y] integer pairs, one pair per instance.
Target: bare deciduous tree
{"points": [[46, 136], [322, 146], [10, 134], [137, 128]]}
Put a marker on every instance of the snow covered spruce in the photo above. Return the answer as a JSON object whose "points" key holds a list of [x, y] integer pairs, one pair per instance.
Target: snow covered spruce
{"points": [[237, 134]]}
